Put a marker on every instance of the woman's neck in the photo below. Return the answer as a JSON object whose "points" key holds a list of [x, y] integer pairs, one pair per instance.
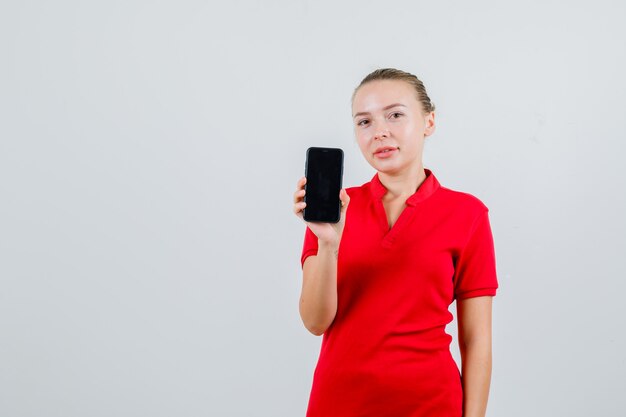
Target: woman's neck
{"points": [[402, 185]]}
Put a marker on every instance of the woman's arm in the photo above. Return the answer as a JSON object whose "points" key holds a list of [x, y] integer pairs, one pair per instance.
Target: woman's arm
{"points": [[474, 334], [318, 298]]}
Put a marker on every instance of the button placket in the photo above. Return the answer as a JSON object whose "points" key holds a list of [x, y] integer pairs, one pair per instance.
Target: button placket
{"points": [[403, 219]]}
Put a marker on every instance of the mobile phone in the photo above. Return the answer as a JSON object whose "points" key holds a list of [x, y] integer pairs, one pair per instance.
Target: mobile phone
{"points": [[323, 171]]}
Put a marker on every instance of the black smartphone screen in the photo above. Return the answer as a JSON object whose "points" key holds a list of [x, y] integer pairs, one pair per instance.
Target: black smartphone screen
{"points": [[323, 172]]}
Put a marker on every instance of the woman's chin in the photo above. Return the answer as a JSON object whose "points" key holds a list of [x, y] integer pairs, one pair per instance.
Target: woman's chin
{"points": [[386, 167]]}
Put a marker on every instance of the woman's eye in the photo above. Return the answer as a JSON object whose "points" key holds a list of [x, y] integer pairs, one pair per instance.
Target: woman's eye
{"points": [[361, 123], [396, 113]]}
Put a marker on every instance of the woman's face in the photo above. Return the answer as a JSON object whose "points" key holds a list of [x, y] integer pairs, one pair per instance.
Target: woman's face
{"points": [[387, 115]]}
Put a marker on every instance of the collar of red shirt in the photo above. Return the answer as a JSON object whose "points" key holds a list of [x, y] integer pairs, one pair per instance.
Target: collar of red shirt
{"points": [[425, 190]]}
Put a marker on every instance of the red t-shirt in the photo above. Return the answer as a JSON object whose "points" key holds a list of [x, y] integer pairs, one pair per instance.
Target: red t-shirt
{"points": [[387, 353]]}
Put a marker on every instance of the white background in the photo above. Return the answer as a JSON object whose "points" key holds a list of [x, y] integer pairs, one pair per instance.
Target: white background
{"points": [[149, 258]]}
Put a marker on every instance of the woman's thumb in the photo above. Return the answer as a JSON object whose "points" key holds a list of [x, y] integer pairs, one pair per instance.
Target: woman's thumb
{"points": [[345, 198]]}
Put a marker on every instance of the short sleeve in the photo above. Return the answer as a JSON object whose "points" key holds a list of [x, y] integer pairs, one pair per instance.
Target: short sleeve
{"points": [[310, 245], [475, 268]]}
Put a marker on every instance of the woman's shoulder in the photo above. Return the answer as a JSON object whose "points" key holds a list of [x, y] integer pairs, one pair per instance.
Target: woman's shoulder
{"points": [[463, 199], [461, 207], [362, 190]]}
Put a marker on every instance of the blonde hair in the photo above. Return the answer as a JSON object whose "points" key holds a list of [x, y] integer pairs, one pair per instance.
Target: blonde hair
{"points": [[396, 74]]}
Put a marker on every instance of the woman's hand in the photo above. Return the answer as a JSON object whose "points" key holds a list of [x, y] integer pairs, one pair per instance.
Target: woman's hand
{"points": [[329, 233]]}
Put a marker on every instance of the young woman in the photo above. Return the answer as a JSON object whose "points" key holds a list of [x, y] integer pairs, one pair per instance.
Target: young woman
{"points": [[379, 283]]}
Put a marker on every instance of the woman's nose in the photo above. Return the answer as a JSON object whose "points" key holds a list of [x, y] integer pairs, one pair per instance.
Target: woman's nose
{"points": [[381, 132]]}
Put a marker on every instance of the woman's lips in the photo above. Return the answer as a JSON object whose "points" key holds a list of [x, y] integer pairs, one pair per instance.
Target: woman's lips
{"points": [[388, 153]]}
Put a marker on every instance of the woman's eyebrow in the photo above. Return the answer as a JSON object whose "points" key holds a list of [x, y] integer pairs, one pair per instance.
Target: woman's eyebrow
{"points": [[384, 108]]}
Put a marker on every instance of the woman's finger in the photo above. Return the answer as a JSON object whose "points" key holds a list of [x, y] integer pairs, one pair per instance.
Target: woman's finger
{"points": [[299, 188], [298, 195], [298, 207]]}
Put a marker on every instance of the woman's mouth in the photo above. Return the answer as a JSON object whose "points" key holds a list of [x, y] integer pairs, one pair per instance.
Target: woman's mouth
{"points": [[386, 152]]}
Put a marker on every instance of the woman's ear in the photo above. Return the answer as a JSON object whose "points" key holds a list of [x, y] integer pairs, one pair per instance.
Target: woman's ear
{"points": [[430, 124]]}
